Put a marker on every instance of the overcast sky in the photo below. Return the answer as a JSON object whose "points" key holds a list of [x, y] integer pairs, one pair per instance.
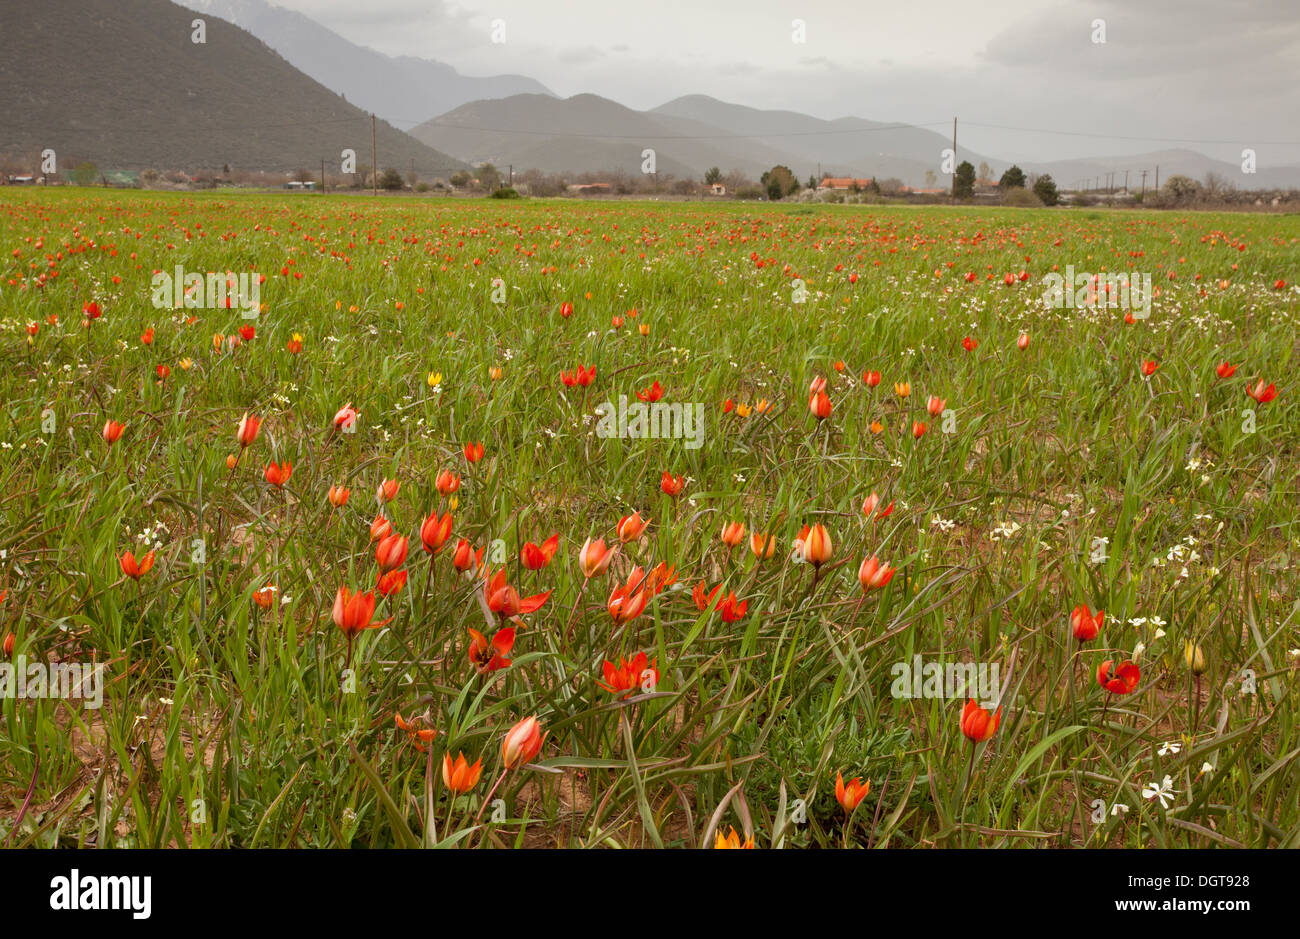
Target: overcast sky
{"points": [[1189, 70]]}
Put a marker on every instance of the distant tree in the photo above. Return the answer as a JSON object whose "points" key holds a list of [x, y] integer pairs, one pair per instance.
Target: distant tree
{"points": [[712, 175], [391, 178], [1181, 188], [891, 186], [964, 181], [489, 177], [779, 182], [460, 179], [1045, 189], [812, 181], [930, 179], [1013, 178], [87, 174], [986, 172], [302, 176]]}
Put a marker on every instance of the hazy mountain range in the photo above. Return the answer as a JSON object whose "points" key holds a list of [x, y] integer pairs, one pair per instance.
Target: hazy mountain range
{"points": [[120, 82], [402, 90]]}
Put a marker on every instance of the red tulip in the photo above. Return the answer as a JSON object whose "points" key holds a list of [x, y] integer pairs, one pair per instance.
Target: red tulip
{"points": [[1226, 369], [133, 569], [652, 393], [112, 431], [388, 584], [1084, 624], [278, 475], [672, 485], [1149, 368], [627, 677], [447, 482], [1121, 680], [535, 557], [489, 657], [978, 724], [1261, 394]]}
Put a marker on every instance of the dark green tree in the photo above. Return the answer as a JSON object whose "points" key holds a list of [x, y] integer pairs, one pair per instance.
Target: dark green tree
{"points": [[1045, 189], [1013, 178], [964, 182]]}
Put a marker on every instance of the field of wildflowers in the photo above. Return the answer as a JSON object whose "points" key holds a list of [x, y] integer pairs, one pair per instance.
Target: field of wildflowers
{"points": [[479, 524]]}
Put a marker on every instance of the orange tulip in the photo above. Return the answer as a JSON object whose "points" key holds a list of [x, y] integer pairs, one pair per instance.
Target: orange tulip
{"points": [[935, 405], [388, 584], [1120, 679], [503, 599], [488, 657], [458, 775], [762, 545], [447, 482], [387, 490], [339, 496], [112, 431], [522, 743], [417, 734], [249, 426], [816, 545], [978, 724], [380, 528], [465, 556], [732, 841], [390, 553], [873, 575], [594, 557], [630, 527], [435, 531], [473, 452], [733, 533], [133, 569], [850, 794], [354, 612]]}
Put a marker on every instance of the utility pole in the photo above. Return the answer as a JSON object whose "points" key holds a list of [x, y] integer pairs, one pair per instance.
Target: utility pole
{"points": [[1157, 177], [954, 159], [512, 176], [1144, 184], [374, 160], [322, 176], [1126, 182]]}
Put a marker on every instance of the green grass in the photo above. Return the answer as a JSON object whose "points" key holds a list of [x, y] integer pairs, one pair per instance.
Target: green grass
{"points": [[217, 709]]}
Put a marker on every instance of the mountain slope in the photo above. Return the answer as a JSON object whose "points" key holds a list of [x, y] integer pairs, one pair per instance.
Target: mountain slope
{"points": [[121, 83], [588, 133], [402, 90]]}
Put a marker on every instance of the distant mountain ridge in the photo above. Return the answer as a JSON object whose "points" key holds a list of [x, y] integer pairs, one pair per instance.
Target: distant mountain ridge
{"points": [[588, 133], [122, 83], [403, 90]]}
